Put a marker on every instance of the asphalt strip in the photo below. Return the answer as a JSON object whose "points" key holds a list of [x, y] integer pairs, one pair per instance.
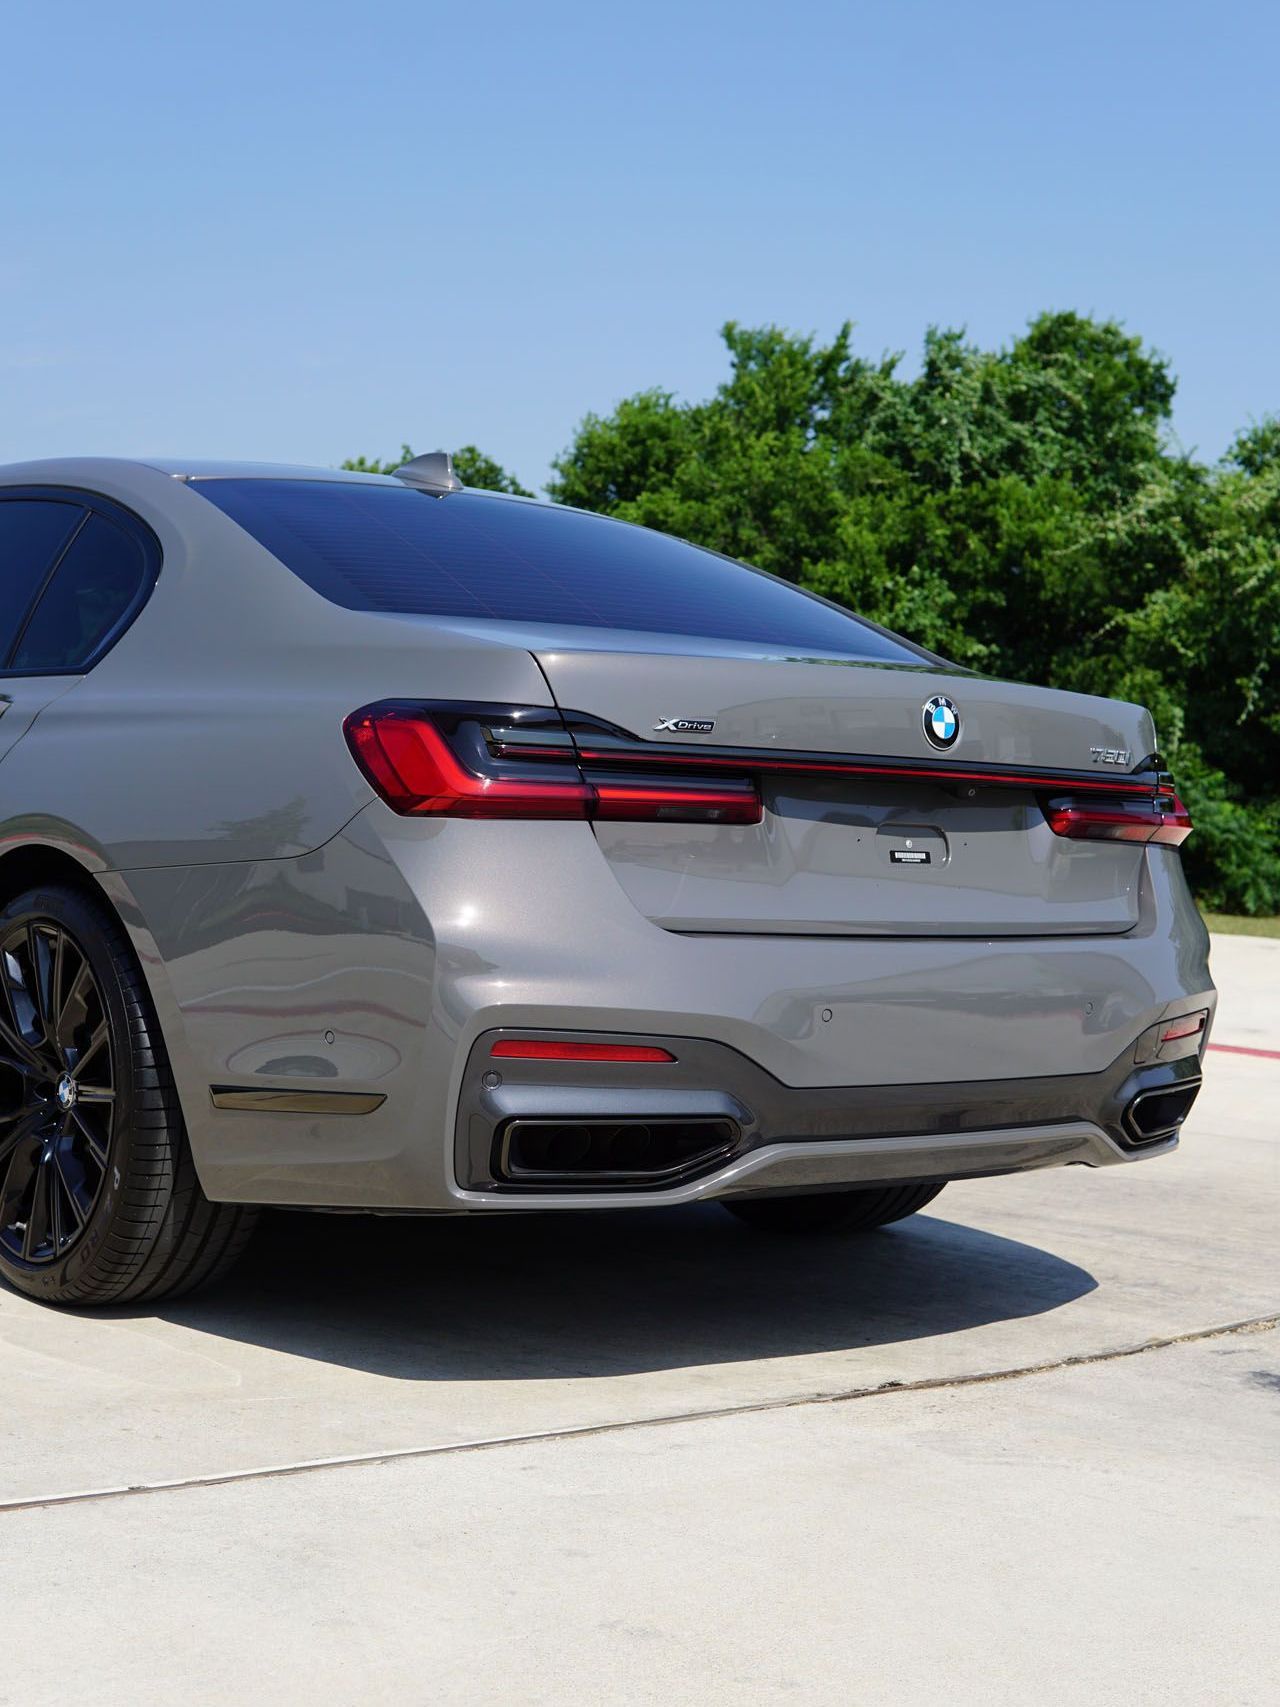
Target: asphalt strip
{"points": [[307, 1466]]}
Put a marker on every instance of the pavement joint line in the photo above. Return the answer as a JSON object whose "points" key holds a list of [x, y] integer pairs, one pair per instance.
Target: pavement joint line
{"points": [[795, 1401], [1245, 1049]]}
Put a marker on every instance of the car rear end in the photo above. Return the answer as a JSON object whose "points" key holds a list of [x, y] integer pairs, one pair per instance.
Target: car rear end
{"points": [[757, 899]]}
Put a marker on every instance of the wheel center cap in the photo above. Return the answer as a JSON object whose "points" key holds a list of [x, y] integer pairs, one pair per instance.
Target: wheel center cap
{"points": [[66, 1093]]}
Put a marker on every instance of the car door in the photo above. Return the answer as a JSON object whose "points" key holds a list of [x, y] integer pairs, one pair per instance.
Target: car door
{"points": [[36, 527], [75, 569]]}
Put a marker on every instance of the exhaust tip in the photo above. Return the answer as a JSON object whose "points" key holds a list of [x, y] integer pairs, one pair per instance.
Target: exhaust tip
{"points": [[610, 1154], [1156, 1114]]}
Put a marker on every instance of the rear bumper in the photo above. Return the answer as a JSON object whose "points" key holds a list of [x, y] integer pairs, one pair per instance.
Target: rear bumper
{"points": [[376, 966], [765, 1137]]}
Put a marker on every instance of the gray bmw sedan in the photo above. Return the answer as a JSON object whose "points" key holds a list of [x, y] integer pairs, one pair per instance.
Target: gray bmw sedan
{"points": [[372, 844]]}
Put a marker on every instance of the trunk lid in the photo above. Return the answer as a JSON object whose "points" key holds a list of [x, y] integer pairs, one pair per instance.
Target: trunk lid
{"points": [[933, 853]]}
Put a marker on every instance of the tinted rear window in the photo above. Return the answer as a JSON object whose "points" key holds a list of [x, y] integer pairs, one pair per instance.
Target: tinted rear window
{"points": [[98, 581], [32, 532], [385, 548]]}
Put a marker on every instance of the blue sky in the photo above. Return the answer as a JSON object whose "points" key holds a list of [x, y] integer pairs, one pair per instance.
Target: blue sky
{"points": [[305, 231]]}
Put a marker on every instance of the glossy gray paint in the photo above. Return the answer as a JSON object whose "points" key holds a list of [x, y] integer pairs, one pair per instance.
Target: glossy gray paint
{"points": [[823, 862], [841, 706], [200, 776]]}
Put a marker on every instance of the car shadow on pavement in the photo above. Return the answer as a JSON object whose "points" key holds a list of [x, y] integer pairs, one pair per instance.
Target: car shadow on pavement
{"points": [[570, 1296]]}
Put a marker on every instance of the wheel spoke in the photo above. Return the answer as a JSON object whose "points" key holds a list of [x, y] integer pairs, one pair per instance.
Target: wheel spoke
{"points": [[55, 983], [59, 957], [53, 1201], [53, 1022], [91, 1048], [17, 1175], [69, 1191], [96, 1093], [15, 981], [15, 1125], [40, 953], [73, 995], [97, 1149], [27, 1120], [14, 1064], [24, 1160], [15, 1051], [37, 1229]]}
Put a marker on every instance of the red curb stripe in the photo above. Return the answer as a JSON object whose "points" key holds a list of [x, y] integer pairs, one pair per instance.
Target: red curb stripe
{"points": [[1242, 1049]]}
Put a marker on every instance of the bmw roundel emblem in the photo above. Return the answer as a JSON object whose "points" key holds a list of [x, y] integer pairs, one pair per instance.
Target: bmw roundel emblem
{"points": [[941, 721]]}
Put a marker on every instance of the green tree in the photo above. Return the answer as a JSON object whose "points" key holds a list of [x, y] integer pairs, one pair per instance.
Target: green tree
{"points": [[1018, 510]]}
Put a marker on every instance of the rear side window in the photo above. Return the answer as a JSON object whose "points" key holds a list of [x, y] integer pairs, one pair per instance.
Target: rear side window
{"points": [[98, 584], [32, 533], [385, 548]]}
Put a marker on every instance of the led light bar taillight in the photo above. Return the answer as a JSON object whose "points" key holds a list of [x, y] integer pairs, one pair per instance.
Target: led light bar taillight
{"points": [[548, 1049], [728, 802], [437, 761], [1160, 818], [775, 762]]}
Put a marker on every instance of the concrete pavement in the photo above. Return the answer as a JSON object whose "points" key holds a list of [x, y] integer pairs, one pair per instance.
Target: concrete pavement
{"points": [[1086, 1534], [1098, 1535], [1246, 970]]}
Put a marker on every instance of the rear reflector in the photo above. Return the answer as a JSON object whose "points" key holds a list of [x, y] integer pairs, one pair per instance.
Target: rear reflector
{"points": [[541, 1049], [1162, 819], [1190, 1025], [1172, 1039]]}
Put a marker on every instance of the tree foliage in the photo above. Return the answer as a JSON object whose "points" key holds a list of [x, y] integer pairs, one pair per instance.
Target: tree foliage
{"points": [[1020, 511]]}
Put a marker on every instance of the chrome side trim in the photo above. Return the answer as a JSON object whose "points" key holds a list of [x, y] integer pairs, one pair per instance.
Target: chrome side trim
{"points": [[261, 1100]]}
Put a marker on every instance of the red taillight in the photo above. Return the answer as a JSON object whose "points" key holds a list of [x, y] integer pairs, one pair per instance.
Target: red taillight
{"points": [[540, 1049], [415, 770], [409, 756], [1161, 818]]}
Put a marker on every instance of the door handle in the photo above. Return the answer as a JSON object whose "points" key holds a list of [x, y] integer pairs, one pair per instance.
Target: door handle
{"points": [[5, 703]]}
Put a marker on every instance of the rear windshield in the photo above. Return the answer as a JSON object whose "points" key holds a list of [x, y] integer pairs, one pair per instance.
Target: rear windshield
{"points": [[387, 548]]}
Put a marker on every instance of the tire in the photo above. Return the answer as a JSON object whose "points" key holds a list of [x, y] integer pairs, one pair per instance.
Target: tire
{"points": [[99, 1200], [833, 1211]]}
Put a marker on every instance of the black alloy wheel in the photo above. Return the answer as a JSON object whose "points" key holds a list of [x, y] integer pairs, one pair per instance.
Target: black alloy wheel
{"points": [[57, 1091], [100, 1202]]}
